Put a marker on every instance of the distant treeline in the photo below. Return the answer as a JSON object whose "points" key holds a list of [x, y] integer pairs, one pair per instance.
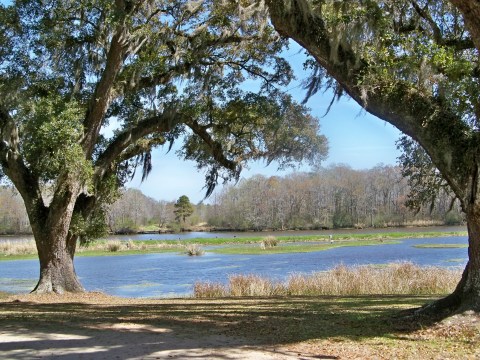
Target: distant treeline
{"points": [[334, 197]]}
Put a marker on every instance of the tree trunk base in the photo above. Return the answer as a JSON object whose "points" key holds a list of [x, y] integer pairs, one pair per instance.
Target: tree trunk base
{"points": [[58, 279], [466, 297], [450, 305]]}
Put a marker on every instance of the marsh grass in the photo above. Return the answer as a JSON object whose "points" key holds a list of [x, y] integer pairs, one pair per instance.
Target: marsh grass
{"points": [[394, 279], [113, 246], [209, 290], [297, 247], [17, 247], [26, 249]]}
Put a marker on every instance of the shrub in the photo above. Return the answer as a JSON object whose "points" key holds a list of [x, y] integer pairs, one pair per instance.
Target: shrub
{"points": [[269, 242], [194, 250], [113, 246], [452, 218]]}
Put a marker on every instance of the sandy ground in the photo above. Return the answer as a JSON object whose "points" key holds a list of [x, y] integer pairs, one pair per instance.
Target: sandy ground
{"points": [[127, 341], [122, 340]]}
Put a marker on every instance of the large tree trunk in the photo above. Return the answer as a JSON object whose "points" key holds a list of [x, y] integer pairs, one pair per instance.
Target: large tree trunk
{"points": [[57, 272], [55, 244], [467, 293]]}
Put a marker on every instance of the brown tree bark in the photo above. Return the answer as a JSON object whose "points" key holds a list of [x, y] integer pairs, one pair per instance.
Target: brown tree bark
{"points": [[56, 245], [470, 10], [57, 271]]}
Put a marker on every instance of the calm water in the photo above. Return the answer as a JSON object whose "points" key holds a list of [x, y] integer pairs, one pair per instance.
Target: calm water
{"points": [[162, 275]]}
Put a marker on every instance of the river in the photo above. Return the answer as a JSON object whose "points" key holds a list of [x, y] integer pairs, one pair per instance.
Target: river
{"points": [[168, 275]]}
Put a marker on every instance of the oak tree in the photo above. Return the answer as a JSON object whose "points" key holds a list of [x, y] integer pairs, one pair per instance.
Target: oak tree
{"points": [[156, 71], [414, 64]]}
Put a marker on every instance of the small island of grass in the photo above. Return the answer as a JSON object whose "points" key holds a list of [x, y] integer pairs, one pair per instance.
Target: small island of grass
{"points": [[440, 246]]}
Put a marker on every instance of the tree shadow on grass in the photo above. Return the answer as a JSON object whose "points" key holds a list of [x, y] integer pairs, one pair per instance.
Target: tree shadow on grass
{"points": [[192, 328]]}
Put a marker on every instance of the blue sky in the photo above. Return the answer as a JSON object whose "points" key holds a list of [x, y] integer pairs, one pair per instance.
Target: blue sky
{"points": [[355, 137]]}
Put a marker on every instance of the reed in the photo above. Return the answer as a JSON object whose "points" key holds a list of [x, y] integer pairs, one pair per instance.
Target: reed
{"points": [[17, 247], [122, 246], [114, 246], [394, 279], [208, 290]]}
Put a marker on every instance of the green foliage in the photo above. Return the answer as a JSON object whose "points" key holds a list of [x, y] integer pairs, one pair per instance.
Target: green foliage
{"points": [[52, 129], [183, 208], [342, 219], [452, 219], [90, 229]]}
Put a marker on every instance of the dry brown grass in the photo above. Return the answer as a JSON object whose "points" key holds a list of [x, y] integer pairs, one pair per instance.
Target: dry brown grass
{"points": [[17, 247], [28, 247], [397, 278], [209, 290], [129, 245]]}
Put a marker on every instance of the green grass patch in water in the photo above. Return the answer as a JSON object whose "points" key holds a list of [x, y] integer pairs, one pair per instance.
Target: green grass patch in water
{"points": [[440, 246], [296, 248]]}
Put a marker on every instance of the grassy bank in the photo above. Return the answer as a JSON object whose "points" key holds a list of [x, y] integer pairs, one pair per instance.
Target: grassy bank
{"points": [[16, 250], [397, 278], [329, 327]]}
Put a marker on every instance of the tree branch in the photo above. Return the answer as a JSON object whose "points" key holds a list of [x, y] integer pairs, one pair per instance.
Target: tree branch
{"points": [[471, 14], [458, 44], [114, 152], [424, 119], [214, 146], [14, 167], [102, 96]]}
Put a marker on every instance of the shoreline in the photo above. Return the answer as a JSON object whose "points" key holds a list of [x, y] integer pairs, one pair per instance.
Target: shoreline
{"points": [[213, 229]]}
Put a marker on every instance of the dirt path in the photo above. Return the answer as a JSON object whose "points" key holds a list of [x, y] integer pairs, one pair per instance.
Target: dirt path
{"points": [[126, 341], [42, 332]]}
